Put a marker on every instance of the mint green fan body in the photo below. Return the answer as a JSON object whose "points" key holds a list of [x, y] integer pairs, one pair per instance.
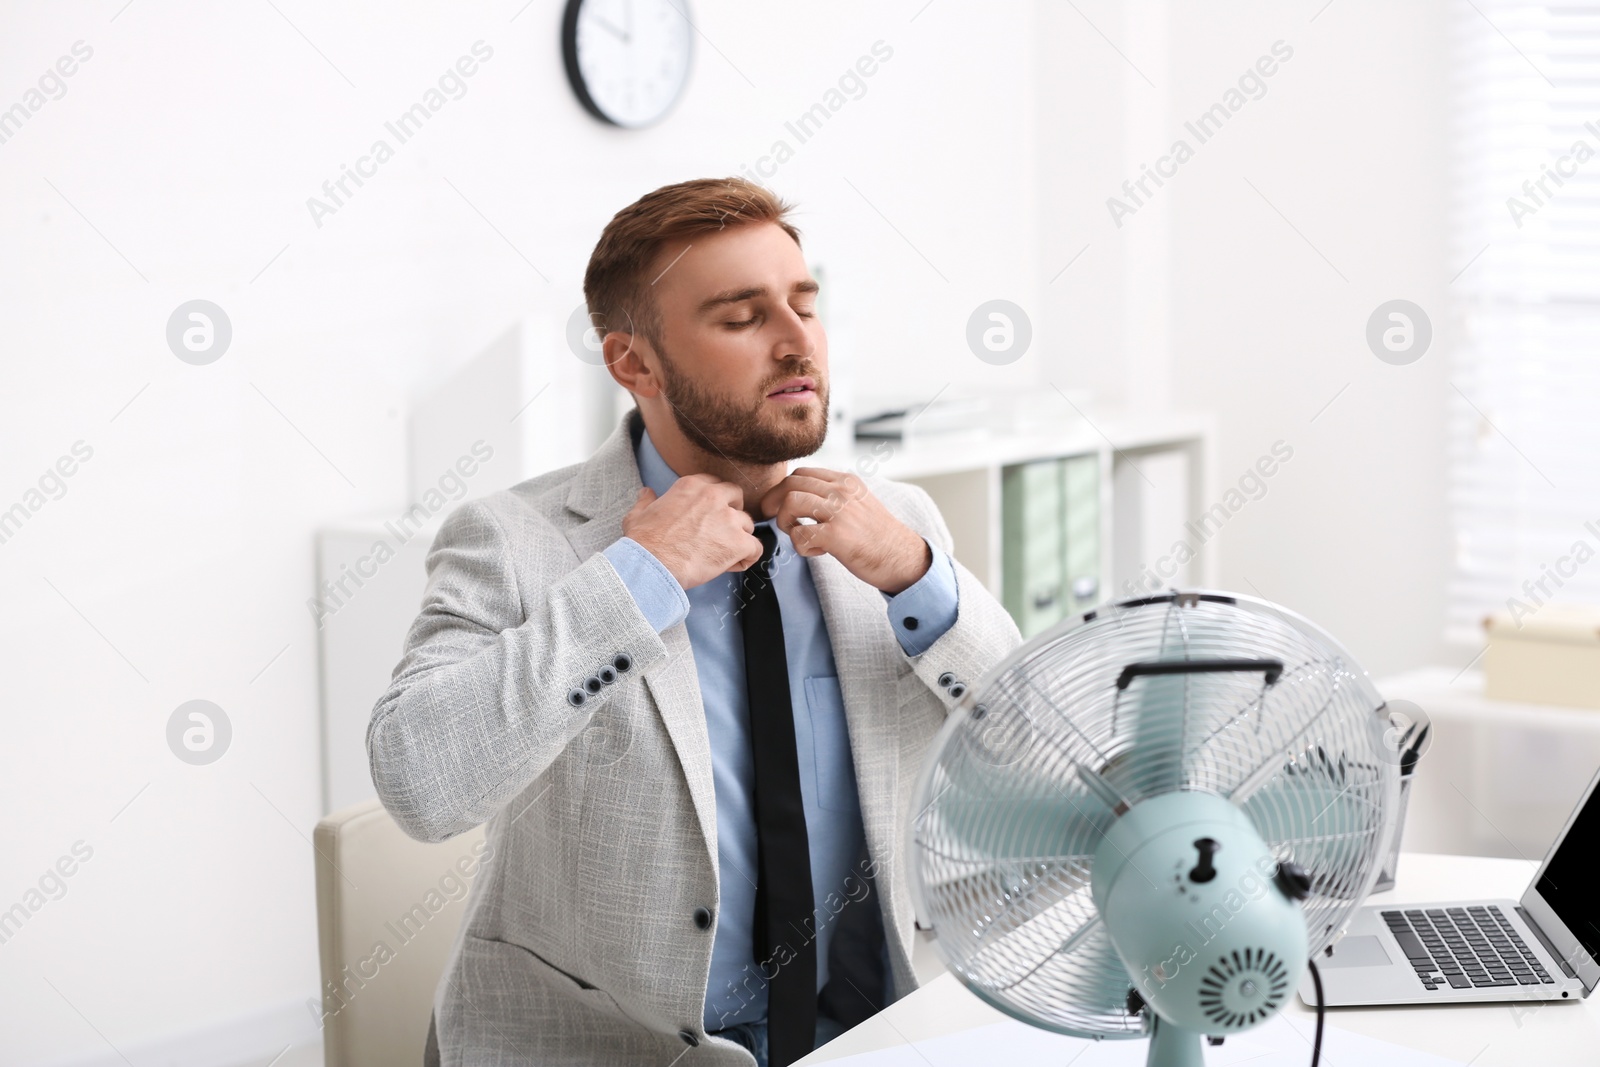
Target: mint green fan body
{"points": [[1115, 830]]}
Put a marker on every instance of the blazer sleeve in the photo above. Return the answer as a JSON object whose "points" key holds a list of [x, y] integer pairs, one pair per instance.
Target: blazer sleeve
{"points": [[486, 693], [983, 632]]}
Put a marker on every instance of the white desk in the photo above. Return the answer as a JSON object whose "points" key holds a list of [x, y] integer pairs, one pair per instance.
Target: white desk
{"points": [[1483, 1035]]}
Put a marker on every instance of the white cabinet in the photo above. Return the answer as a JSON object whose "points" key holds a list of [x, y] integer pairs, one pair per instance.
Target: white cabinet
{"points": [[1499, 778]]}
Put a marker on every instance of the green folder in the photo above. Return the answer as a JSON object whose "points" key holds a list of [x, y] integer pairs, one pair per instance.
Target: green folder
{"points": [[1050, 540]]}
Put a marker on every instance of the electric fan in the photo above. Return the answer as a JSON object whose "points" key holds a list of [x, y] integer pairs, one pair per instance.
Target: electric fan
{"points": [[1145, 820]]}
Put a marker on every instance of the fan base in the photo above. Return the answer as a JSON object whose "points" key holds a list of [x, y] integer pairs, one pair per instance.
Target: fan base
{"points": [[1173, 1046]]}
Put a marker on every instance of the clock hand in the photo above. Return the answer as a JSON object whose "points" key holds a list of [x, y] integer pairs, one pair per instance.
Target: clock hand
{"points": [[621, 35]]}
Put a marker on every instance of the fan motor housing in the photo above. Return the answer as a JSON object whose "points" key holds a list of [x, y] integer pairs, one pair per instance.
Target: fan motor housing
{"points": [[1185, 885]]}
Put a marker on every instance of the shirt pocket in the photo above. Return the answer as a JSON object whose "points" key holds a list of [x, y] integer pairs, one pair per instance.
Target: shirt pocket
{"points": [[830, 745]]}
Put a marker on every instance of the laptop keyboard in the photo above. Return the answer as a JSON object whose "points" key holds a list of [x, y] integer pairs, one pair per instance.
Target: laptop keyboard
{"points": [[1465, 947]]}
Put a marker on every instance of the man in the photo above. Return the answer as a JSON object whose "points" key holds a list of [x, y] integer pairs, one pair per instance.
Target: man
{"points": [[689, 690]]}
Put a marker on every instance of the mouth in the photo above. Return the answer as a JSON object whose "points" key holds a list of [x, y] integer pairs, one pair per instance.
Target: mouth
{"points": [[795, 390]]}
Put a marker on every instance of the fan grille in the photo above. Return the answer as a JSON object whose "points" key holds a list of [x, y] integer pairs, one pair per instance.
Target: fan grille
{"points": [[1025, 776]]}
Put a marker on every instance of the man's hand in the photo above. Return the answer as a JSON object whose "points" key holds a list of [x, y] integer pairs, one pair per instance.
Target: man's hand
{"points": [[851, 525], [698, 529]]}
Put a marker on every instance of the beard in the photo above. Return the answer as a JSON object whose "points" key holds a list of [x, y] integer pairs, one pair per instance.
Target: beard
{"points": [[745, 432]]}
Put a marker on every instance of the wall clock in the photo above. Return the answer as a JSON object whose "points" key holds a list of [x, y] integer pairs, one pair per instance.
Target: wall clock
{"points": [[627, 60]]}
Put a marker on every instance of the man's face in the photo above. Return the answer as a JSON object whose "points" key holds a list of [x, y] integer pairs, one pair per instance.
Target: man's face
{"points": [[739, 322]]}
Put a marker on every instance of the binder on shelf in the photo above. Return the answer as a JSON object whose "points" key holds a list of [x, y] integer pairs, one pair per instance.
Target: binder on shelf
{"points": [[1050, 540], [1080, 500]]}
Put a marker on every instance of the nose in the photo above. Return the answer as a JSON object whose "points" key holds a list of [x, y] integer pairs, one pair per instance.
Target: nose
{"points": [[795, 337]]}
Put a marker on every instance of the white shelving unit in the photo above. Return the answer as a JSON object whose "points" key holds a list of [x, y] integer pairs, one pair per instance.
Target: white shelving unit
{"points": [[963, 475]]}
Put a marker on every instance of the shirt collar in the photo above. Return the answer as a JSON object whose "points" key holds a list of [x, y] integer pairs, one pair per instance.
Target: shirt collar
{"points": [[654, 472]]}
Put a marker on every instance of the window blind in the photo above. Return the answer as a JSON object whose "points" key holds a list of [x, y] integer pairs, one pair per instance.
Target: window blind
{"points": [[1524, 396]]}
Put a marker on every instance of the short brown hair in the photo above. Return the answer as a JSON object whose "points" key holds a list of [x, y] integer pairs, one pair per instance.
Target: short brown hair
{"points": [[616, 286]]}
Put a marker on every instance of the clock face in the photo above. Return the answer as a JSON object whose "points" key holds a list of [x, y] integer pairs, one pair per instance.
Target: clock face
{"points": [[628, 60]]}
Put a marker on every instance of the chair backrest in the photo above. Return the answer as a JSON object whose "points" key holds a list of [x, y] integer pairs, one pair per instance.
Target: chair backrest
{"points": [[388, 908]]}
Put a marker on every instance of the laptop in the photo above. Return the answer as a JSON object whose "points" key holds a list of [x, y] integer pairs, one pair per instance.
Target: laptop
{"points": [[1540, 948]]}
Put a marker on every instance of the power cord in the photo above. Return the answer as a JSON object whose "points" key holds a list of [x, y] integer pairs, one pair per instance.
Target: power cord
{"points": [[1316, 1043]]}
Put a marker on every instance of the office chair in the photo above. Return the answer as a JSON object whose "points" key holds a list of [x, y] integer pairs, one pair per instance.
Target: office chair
{"points": [[388, 908]]}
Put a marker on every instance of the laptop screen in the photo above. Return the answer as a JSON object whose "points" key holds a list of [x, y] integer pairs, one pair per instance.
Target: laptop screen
{"points": [[1567, 882]]}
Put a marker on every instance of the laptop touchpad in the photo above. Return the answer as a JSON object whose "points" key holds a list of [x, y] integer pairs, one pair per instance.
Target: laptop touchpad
{"points": [[1358, 951]]}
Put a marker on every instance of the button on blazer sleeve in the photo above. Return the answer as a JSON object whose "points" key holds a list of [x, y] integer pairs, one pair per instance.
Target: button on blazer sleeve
{"points": [[478, 705], [983, 632]]}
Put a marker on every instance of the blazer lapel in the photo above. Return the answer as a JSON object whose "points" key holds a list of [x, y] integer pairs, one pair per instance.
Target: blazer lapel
{"points": [[602, 493], [867, 675]]}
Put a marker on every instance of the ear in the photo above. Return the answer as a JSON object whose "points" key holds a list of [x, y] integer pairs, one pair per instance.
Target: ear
{"points": [[632, 362]]}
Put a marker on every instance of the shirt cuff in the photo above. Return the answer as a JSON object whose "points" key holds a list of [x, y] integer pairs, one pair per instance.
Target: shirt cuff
{"points": [[654, 589], [924, 610]]}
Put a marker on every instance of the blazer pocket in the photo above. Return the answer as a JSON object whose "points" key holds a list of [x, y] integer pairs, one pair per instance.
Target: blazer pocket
{"points": [[830, 744], [552, 976]]}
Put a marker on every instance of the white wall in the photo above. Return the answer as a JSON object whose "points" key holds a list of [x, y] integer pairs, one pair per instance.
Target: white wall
{"points": [[1207, 297], [976, 165], [1350, 144], [1084, 97], [178, 563]]}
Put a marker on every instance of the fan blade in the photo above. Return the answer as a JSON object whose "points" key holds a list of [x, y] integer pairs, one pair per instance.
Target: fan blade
{"points": [[1009, 813], [1325, 819], [1023, 827], [1160, 715]]}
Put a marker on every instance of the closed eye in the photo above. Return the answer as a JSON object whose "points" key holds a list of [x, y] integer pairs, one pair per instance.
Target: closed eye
{"points": [[741, 324]]}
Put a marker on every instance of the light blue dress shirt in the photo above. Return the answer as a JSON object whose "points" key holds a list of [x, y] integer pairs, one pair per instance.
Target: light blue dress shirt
{"points": [[736, 992]]}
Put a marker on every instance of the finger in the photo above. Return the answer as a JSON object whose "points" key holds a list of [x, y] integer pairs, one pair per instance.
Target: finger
{"points": [[816, 539], [772, 499], [717, 487], [821, 473], [846, 483], [843, 487], [803, 505], [753, 558], [804, 483], [730, 493]]}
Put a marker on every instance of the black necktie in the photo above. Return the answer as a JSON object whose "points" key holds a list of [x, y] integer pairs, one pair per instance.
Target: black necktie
{"points": [[783, 930]]}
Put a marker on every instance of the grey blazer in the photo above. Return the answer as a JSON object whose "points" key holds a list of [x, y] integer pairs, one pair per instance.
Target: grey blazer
{"points": [[579, 943]]}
